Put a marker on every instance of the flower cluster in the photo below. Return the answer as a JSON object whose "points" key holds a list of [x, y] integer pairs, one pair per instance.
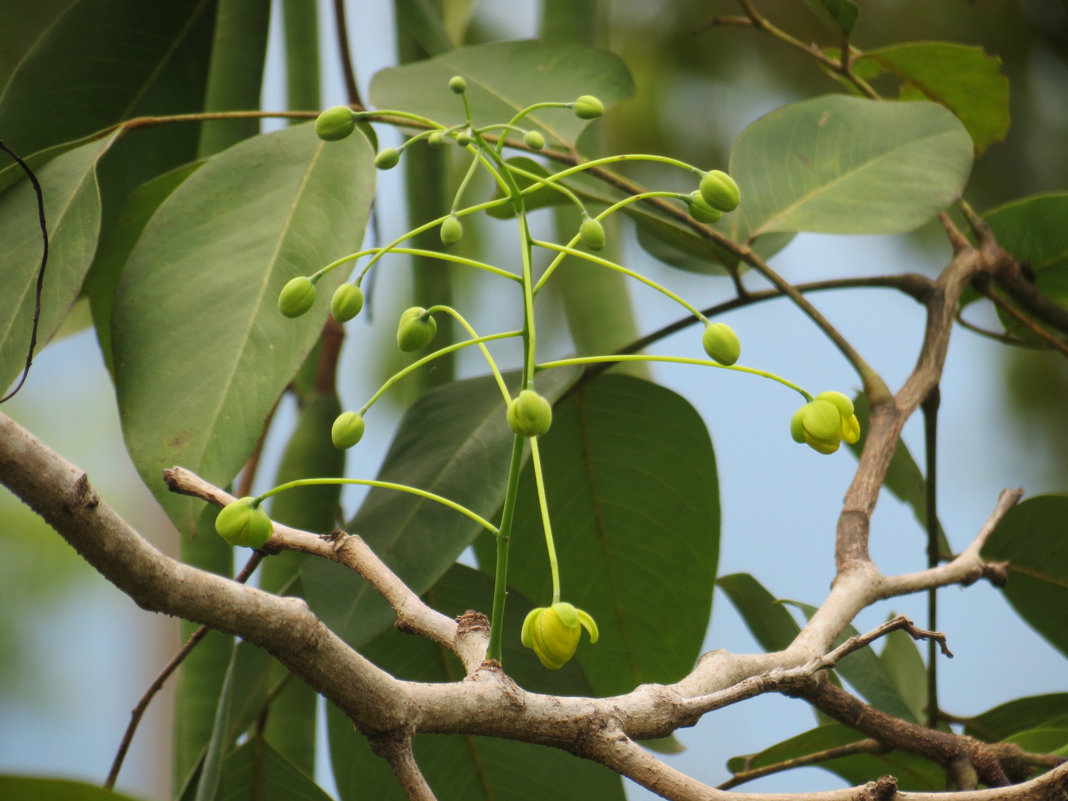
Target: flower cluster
{"points": [[824, 422], [553, 632]]}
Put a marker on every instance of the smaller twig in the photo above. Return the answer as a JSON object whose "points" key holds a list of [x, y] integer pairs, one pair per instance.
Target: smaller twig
{"points": [[865, 746], [930, 443], [157, 684], [859, 641], [1003, 304], [957, 240], [999, 336], [351, 90], [398, 753], [716, 22]]}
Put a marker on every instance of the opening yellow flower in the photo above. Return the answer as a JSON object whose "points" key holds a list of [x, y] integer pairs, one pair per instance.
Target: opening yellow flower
{"points": [[553, 632]]}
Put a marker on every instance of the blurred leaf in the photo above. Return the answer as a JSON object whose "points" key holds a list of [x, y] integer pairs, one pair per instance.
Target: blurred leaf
{"points": [[72, 215], [904, 479], [1031, 537], [964, 79], [424, 24], [257, 771], [1042, 741], [912, 772], [466, 767], [1038, 711], [76, 83], [201, 351], [906, 667], [838, 16], [536, 72], [631, 480], [846, 165], [30, 788], [453, 441], [769, 621]]}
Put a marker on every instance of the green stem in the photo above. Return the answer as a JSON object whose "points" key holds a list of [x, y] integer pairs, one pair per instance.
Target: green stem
{"points": [[368, 482], [641, 357], [437, 254], [475, 339], [500, 576], [554, 569]]}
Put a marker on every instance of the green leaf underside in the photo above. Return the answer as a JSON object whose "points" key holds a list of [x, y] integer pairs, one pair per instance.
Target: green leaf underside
{"points": [[72, 215], [469, 767], [198, 371], [32, 788], [536, 72], [912, 772], [964, 79], [846, 165], [838, 16], [454, 441], [633, 496], [256, 770], [1031, 537], [904, 479], [770, 623], [906, 667], [1021, 714]]}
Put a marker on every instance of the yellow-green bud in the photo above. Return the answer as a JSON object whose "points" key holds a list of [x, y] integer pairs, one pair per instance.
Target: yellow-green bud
{"points": [[387, 158], [824, 422], [436, 139], [451, 230], [701, 211], [297, 296], [588, 107], [243, 522], [529, 414], [721, 343], [463, 139], [534, 140], [416, 328], [347, 430], [553, 632], [592, 233], [346, 302], [457, 84], [335, 123], [720, 191]]}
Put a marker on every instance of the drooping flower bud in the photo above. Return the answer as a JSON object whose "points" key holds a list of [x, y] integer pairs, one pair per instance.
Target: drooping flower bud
{"points": [[416, 328], [529, 414], [451, 230], [588, 107], [591, 232], [721, 343], [297, 296], [553, 632], [720, 191], [701, 211], [347, 430], [346, 302], [243, 522], [387, 158], [824, 422], [335, 123], [534, 140]]}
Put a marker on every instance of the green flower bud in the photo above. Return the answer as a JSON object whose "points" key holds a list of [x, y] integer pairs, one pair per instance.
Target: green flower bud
{"points": [[720, 191], [822, 420], [451, 230], [346, 303], [534, 140], [243, 522], [842, 402], [457, 84], [823, 423], [529, 414], [588, 107], [592, 233], [701, 211], [335, 123], [297, 296], [436, 139], [417, 327], [387, 158], [347, 430], [721, 343], [553, 632], [463, 139]]}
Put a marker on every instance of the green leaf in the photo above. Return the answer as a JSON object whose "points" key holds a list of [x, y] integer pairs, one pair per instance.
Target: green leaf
{"points": [[76, 83], [839, 16], [903, 662], [1042, 741], [256, 770], [536, 72], [453, 441], [633, 496], [912, 772], [201, 350], [846, 165], [31, 788], [72, 216], [904, 479], [770, 622], [1031, 538], [471, 768], [1038, 711], [424, 24], [964, 79]]}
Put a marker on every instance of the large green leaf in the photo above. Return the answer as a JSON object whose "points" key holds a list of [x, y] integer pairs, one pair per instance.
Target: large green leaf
{"points": [[1021, 714], [201, 351], [838, 16], [904, 479], [964, 79], [633, 497], [465, 767], [453, 441], [767, 619], [912, 772], [257, 771], [504, 77], [906, 667], [1031, 537], [846, 165], [31, 788], [72, 215], [69, 84]]}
